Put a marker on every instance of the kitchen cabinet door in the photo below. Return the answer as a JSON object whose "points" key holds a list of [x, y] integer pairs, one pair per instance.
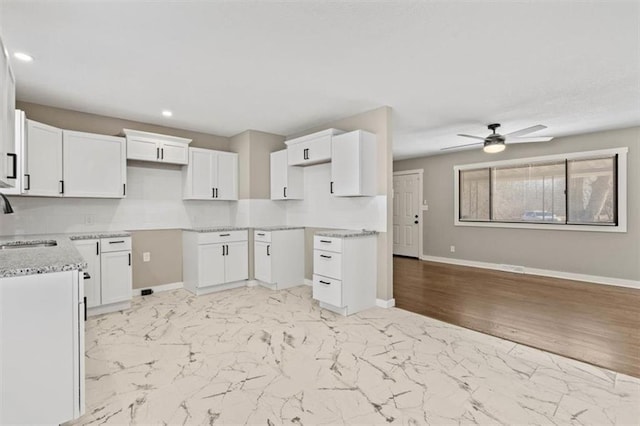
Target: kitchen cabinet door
{"points": [[116, 276], [227, 176], [94, 165], [174, 153], [353, 164], [262, 260], [200, 175], [210, 264], [236, 262], [7, 114], [287, 182], [90, 251], [142, 149], [43, 155]]}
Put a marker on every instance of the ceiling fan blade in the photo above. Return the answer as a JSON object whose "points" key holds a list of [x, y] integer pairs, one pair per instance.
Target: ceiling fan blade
{"points": [[461, 146], [470, 136], [526, 131], [511, 140]]}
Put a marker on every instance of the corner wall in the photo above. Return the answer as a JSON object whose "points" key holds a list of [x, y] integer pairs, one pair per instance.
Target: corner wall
{"points": [[600, 254]]}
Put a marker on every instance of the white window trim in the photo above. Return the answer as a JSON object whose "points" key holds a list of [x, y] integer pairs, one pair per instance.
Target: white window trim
{"points": [[621, 196]]}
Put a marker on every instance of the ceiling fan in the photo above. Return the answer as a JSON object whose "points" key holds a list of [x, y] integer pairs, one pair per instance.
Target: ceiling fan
{"points": [[495, 142]]}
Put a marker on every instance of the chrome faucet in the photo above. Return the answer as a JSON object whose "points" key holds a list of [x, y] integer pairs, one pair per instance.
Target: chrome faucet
{"points": [[6, 205]]}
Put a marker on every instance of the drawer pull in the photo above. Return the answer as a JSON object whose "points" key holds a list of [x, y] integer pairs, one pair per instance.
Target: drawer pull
{"points": [[261, 235], [225, 235], [325, 256], [116, 242], [324, 282], [325, 241]]}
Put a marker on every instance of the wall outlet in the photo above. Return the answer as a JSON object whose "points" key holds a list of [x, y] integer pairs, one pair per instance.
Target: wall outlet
{"points": [[453, 249], [89, 219], [146, 256]]}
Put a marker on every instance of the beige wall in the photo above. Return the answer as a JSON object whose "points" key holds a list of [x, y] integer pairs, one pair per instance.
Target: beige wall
{"points": [[377, 121], [165, 266], [85, 122], [254, 160], [604, 254]]}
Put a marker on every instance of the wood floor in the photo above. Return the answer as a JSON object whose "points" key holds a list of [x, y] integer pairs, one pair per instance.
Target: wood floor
{"points": [[598, 324]]}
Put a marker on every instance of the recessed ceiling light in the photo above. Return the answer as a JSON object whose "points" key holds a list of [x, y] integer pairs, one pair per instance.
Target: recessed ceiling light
{"points": [[23, 57], [167, 113]]}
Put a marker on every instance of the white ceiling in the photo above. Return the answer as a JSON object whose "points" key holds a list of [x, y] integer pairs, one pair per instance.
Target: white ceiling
{"points": [[444, 67]]}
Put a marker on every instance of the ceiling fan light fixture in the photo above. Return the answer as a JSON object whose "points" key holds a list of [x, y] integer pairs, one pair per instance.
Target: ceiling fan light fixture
{"points": [[493, 147]]}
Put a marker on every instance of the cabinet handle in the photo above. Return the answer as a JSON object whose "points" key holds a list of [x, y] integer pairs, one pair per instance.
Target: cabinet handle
{"points": [[157, 153], [285, 192], [116, 242], [324, 282], [162, 153], [124, 189], [225, 235], [85, 308], [223, 250], [331, 187], [325, 241], [86, 276], [213, 193], [268, 247], [216, 192], [97, 248], [14, 158], [28, 176], [61, 187], [129, 259], [325, 256], [260, 234]]}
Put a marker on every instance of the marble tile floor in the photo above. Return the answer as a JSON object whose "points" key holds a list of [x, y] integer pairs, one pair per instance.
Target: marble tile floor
{"points": [[253, 356]]}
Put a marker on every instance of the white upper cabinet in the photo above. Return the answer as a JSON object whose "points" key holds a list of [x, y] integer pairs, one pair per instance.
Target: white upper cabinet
{"points": [[8, 156], [354, 164], [311, 149], [94, 165], [15, 166], [211, 175], [155, 147], [43, 160], [287, 182]]}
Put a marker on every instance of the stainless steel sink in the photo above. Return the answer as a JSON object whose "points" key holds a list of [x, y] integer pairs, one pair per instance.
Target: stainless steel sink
{"points": [[28, 244]]}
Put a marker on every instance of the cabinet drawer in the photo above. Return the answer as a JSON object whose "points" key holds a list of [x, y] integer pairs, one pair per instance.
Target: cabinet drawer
{"points": [[222, 237], [327, 263], [115, 244], [327, 243], [327, 290], [262, 236]]}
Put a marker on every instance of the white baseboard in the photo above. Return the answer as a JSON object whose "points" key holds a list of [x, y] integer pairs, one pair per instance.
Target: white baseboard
{"points": [[159, 288], [381, 303], [308, 282], [252, 283], [595, 279]]}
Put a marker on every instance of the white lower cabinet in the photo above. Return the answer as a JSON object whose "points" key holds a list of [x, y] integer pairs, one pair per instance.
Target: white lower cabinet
{"points": [[279, 257], [108, 277], [344, 273], [41, 348], [215, 260]]}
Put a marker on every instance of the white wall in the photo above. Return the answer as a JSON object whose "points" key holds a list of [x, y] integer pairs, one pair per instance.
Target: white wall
{"points": [[320, 209], [154, 201]]}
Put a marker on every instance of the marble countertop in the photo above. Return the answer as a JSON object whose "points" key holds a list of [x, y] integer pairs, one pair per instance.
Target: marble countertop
{"points": [[346, 233], [217, 229], [42, 260], [277, 228]]}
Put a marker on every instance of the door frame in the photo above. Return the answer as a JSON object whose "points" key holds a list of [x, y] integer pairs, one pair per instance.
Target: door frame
{"points": [[421, 209]]}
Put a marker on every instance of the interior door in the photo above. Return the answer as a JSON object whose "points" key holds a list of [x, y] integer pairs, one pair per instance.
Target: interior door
{"points": [[116, 276], [406, 212], [236, 262], [43, 153], [262, 260], [90, 251]]}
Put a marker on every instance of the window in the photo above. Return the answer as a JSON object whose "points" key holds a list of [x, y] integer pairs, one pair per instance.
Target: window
{"points": [[580, 191]]}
